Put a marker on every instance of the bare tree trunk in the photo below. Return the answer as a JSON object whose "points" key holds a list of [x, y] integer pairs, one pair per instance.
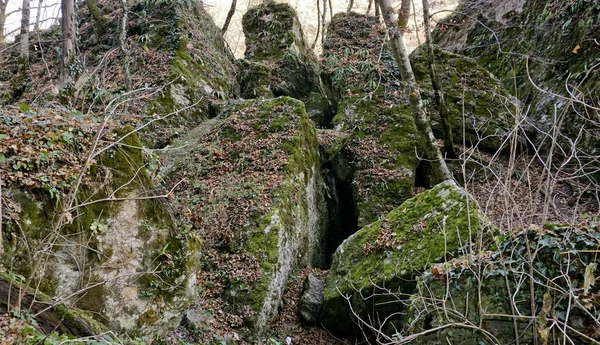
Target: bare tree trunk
{"points": [[438, 94], [404, 14], [3, 6], [314, 44], [19, 83], [440, 169], [377, 9], [67, 41], [229, 16], [369, 7], [330, 12], [24, 34], [123, 43], [350, 5], [323, 21], [36, 27]]}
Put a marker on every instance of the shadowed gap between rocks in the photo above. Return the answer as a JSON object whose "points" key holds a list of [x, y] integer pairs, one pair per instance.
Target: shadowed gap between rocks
{"points": [[341, 209]]}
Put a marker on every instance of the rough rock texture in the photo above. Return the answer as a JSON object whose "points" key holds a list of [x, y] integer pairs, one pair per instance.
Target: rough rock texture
{"points": [[124, 260], [274, 39], [253, 194], [388, 254], [477, 289], [59, 318], [379, 159], [561, 54], [197, 320], [312, 299], [478, 104], [202, 68]]}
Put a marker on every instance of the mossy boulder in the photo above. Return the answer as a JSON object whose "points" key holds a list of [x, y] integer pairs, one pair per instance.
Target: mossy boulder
{"points": [[274, 38], [480, 290], [253, 194], [386, 256], [201, 68], [379, 159], [254, 79], [117, 252], [478, 104], [510, 39]]}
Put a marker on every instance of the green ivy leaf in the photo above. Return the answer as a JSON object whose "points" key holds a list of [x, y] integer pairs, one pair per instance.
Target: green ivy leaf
{"points": [[67, 137]]}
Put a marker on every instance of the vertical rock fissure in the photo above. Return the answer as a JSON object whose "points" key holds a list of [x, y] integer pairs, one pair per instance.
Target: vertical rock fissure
{"points": [[341, 209]]}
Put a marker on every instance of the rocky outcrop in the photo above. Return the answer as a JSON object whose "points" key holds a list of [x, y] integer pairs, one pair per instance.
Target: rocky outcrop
{"points": [[49, 315], [380, 263], [115, 251], [201, 69], [556, 80], [277, 52], [252, 192], [478, 104], [311, 301]]}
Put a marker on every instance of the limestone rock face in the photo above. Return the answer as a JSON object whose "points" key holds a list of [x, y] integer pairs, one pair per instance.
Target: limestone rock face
{"points": [[544, 73], [274, 39], [387, 255], [117, 255], [197, 320], [200, 68], [252, 192], [477, 102]]}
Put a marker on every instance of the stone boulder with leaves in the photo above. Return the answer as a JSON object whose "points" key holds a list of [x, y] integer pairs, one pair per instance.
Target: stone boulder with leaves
{"points": [[379, 158], [381, 262], [89, 228], [556, 79], [251, 191]]}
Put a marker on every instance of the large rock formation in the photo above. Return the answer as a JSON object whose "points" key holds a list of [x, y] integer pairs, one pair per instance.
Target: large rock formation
{"points": [[554, 74], [381, 261], [253, 193], [480, 110], [108, 245], [381, 157], [279, 60], [377, 162]]}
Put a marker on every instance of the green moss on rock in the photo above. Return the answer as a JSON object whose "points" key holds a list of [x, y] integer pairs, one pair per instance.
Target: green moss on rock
{"points": [[201, 67], [274, 39], [253, 190], [511, 41], [431, 227], [488, 285], [478, 104], [383, 145]]}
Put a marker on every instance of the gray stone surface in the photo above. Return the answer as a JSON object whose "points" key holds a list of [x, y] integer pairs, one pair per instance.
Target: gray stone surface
{"points": [[312, 299]]}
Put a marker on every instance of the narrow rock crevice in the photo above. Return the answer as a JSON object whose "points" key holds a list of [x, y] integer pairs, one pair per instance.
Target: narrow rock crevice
{"points": [[341, 210]]}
